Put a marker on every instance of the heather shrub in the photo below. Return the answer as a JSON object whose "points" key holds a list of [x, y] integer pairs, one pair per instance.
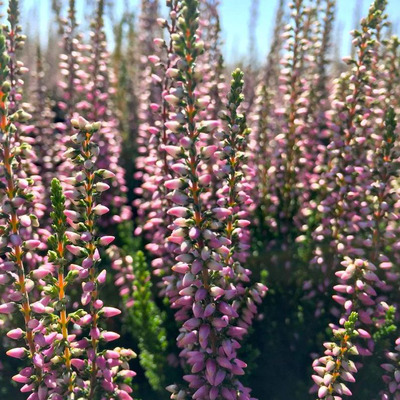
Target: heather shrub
{"points": [[174, 226]]}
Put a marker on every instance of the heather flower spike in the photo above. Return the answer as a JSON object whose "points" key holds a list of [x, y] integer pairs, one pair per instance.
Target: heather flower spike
{"points": [[208, 278], [336, 367], [98, 374]]}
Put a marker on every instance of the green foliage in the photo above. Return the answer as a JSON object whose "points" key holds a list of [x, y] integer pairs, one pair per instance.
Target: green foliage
{"points": [[146, 323]]}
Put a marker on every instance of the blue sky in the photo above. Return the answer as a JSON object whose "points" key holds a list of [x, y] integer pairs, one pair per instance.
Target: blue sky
{"points": [[235, 16]]}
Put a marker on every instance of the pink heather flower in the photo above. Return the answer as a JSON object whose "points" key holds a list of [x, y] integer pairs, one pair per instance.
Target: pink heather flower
{"points": [[174, 127], [7, 308], [15, 334], [38, 307], [102, 187], [106, 240], [15, 240], [21, 379], [73, 215], [109, 336], [100, 209], [173, 151], [75, 250], [178, 212], [17, 352], [32, 244], [101, 278], [110, 311]]}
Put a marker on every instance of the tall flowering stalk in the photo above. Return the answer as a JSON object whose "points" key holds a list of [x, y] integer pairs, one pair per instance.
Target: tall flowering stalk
{"points": [[98, 373], [58, 257], [209, 293], [363, 223], [154, 168], [98, 105], [350, 149], [262, 120], [336, 367], [16, 208]]}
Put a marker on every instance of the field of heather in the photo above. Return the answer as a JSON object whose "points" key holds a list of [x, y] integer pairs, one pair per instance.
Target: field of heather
{"points": [[179, 222]]}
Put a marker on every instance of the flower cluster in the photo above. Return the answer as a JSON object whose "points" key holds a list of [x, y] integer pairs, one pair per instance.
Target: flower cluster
{"points": [[214, 305], [152, 228]]}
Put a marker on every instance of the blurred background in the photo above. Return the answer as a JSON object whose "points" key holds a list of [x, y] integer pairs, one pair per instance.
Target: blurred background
{"points": [[246, 24]]}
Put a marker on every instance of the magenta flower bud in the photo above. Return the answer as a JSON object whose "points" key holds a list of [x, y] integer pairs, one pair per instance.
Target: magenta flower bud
{"points": [[243, 223], [86, 236], [174, 127], [95, 333], [107, 174], [194, 232], [197, 266], [22, 183], [219, 377], [15, 240], [180, 169], [204, 180], [40, 273], [71, 194], [216, 291], [18, 201], [25, 220], [192, 323], [154, 59], [17, 352], [221, 213], [178, 212], [173, 184], [72, 215], [237, 332], [109, 336], [110, 312], [178, 197], [123, 395], [181, 268], [101, 278], [38, 307], [38, 360], [88, 286], [224, 362], [7, 308], [209, 310], [33, 324], [208, 151], [78, 363], [100, 209], [173, 151], [32, 244], [21, 379], [15, 334], [42, 392], [72, 236], [322, 392], [201, 393], [173, 100], [106, 240], [102, 187], [87, 263], [75, 250]]}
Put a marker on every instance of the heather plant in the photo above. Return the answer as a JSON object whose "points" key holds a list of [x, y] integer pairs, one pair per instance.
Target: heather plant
{"points": [[209, 294]]}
